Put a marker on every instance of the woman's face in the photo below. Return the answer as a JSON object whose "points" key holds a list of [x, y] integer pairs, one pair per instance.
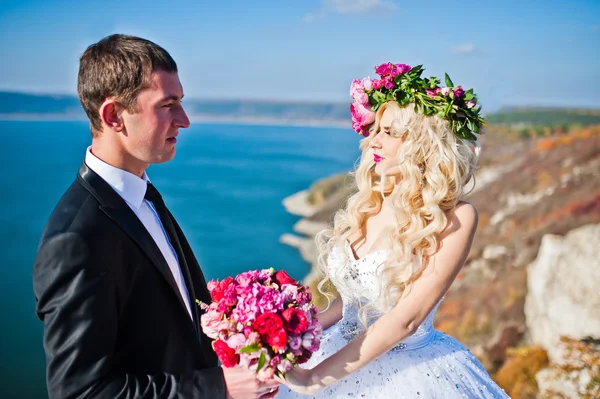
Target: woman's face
{"points": [[385, 146]]}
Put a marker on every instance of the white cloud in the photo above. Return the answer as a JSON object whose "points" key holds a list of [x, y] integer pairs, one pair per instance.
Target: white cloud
{"points": [[310, 17], [360, 6], [355, 7], [466, 49]]}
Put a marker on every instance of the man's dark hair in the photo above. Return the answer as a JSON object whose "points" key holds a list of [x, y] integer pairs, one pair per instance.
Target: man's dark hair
{"points": [[118, 66]]}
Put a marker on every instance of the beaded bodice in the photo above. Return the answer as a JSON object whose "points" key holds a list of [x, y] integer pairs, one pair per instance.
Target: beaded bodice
{"points": [[359, 282]]}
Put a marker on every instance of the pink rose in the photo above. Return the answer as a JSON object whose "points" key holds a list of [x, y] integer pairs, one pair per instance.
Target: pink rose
{"points": [[471, 104], [459, 92], [445, 91], [236, 341], [213, 323]]}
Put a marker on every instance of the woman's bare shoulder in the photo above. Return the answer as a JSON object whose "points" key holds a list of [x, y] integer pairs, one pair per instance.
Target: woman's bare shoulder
{"points": [[462, 217]]}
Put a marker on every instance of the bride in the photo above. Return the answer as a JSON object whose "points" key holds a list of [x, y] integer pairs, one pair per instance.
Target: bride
{"points": [[397, 246]]}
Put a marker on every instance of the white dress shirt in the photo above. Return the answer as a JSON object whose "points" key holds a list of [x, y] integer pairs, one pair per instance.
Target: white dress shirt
{"points": [[132, 189]]}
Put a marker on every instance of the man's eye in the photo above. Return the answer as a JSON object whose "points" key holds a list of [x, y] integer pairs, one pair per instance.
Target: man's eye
{"points": [[168, 105]]}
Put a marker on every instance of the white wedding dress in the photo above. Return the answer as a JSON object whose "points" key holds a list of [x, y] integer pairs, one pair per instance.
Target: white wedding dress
{"points": [[428, 364]]}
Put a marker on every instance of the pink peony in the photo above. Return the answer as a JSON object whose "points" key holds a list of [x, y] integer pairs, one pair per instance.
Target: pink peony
{"points": [[389, 83], [377, 84], [384, 70], [445, 91], [361, 117], [366, 83], [403, 68], [433, 92]]}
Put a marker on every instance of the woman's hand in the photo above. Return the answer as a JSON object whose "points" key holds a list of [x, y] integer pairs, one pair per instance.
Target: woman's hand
{"points": [[300, 381]]}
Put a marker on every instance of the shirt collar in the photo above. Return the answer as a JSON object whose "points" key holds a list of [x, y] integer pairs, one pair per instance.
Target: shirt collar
{"points": [[130, 187]]}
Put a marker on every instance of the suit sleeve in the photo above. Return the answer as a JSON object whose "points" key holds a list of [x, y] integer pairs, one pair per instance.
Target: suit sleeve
{"points": [[76, 301]]}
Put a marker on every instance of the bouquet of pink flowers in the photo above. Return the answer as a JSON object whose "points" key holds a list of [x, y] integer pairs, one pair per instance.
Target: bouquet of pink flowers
{"points": [[263, 321]]}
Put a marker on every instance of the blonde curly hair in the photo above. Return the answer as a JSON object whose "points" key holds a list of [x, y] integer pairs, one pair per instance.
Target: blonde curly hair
{"points": [[435, 166]]}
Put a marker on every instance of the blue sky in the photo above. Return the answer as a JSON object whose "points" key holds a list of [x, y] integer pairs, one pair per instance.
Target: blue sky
{"points": [[512, 52]]}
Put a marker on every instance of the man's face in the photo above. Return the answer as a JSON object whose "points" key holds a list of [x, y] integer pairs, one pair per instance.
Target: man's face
{"points": [[150, 132]]}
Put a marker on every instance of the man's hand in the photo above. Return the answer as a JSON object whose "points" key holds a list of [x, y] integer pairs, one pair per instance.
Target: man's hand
{"points": [[242, 384]]}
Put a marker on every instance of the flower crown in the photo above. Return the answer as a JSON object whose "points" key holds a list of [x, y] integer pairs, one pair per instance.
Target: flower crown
{"points": [[403, 84]]}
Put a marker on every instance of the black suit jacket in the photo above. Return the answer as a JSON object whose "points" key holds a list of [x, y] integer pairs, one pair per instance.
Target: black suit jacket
{"points": [[115, 325]]}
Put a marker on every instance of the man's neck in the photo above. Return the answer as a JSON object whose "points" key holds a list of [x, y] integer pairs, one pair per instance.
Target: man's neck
{"points": [[117, 157]]}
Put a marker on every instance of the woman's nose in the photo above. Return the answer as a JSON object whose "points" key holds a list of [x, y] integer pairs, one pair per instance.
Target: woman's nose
{"points": [[375, 143]]}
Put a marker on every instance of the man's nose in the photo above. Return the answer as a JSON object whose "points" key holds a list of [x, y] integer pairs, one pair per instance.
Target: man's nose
{"points": [[182, 120]]}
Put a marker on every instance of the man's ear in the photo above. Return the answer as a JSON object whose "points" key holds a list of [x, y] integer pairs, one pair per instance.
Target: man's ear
{"points": [[110, 113]]}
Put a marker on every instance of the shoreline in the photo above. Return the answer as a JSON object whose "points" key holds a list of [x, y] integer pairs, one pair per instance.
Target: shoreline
{"points": [[200, 119]]}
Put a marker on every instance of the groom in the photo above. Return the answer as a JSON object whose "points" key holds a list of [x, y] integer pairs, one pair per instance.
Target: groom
{"points": [[115, 279]]}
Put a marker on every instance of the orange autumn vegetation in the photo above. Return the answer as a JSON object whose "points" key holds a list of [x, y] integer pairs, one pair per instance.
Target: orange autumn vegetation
{"points": [[548, 143], [517, 375]]}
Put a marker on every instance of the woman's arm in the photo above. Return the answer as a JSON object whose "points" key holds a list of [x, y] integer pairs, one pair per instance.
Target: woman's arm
{"points": [[403, 320], [332, 315]]}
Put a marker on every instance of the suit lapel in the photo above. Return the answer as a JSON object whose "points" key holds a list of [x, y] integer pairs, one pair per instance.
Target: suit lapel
{"points": [[185, 270], [116, 209]]}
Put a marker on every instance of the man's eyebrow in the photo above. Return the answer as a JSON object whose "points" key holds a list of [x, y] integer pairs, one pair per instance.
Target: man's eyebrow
{"points": [[173, 97]]}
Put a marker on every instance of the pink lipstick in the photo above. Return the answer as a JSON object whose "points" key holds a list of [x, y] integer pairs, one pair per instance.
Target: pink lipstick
{"points": [[377, 158]]}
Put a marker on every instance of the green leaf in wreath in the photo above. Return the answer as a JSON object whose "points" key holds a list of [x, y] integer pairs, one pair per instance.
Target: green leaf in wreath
{"points": [[448, 80]]}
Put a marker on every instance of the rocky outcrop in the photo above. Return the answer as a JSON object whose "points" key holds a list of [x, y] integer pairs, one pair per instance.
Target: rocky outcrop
{"points": [[563, 296], [562, 307]]}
